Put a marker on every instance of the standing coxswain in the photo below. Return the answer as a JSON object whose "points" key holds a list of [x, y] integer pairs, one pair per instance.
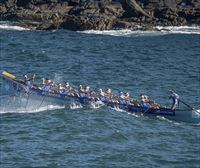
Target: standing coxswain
{"points": [[175, 97]]}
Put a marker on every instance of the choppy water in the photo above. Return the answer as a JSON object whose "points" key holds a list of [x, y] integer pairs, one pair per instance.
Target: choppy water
{"points": [[138, 62]]}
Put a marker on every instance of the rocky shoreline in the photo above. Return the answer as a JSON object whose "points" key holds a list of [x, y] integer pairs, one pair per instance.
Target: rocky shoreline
{"points": [[79, 15]]}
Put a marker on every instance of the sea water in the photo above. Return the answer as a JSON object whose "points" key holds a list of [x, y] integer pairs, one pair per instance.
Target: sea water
{"points": [[138, 62]]}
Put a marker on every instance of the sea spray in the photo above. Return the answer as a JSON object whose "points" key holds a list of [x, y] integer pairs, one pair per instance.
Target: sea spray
{"points": [[160, 31]]}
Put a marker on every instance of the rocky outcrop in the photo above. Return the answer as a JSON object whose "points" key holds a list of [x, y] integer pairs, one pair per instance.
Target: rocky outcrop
{"points": [[100, 14], [137, 8]]}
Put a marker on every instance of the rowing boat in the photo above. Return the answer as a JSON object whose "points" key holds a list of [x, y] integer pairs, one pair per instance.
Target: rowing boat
{"points": [[13, 86]]}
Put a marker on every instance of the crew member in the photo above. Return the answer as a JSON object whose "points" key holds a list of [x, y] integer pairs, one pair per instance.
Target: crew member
{"points": [[175, 97]]}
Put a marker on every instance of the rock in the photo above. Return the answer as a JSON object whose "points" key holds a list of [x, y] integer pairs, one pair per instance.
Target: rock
{"points": [[100, 14], [3, 9], [23, 3], [137, 8], [86, 23], [98, 8]]}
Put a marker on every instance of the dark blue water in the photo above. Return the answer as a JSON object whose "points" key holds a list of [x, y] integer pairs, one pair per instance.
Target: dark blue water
{"points": [[138, 63]]}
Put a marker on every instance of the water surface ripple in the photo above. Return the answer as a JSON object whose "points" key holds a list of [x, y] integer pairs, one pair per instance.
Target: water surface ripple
{"points": [[103, 137]]}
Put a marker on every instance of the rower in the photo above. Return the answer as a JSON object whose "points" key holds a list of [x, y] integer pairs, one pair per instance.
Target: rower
{"points": [[25, 78], [67, 86], [124, 98], [46, 84], [43, 82], [108, 93], [29, 81], [121, 95], [60, 87], [144, 101], [50, 83], [84, 92], [103, 96], [101, 92], [87, 89], [81, 89]]}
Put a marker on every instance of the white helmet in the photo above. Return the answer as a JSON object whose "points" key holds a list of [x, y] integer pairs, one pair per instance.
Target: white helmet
{"points": [[127, 94]]}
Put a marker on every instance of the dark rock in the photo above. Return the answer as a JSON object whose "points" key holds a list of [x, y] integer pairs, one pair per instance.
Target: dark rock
{"points": [[23, 3], [100, 14], [82, 23]]}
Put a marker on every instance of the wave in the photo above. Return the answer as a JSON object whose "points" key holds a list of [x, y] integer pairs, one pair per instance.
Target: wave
{"points": [[124, 32], [15, 104], [180, 29], [162, 118], [160, 31], [9, 26], [29, 109], [75, 105]]}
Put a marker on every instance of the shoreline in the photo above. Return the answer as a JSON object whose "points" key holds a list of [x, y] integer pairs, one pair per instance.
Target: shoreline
{"points": [[189, 29], [78, 15]]}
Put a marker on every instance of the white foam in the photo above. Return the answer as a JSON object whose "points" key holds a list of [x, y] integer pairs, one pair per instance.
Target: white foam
{"points": [[180, 29], [75, 105], [10, 27], [30, 110], [134, 114], [170, 121], [96, 105], [196, 113], [161, 31], [116, 108], [124, 32]]}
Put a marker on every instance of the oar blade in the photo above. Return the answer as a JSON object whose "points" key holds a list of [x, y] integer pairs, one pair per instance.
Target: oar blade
{"points": [[9, 75]]}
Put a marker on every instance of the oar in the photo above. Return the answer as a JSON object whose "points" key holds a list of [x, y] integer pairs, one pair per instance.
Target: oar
{"points": [[192, 108], [41, 102], [9, 75]]}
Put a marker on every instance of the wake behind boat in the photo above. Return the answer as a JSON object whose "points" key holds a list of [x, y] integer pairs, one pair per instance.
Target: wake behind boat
{"points": [[49, 92]]}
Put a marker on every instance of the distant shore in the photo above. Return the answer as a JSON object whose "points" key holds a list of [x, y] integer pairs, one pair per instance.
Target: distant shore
{"points": [[79, 15]]}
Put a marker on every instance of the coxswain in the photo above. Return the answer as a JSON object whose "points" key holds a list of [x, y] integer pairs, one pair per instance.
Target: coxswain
{"points": [[175, 97]]}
